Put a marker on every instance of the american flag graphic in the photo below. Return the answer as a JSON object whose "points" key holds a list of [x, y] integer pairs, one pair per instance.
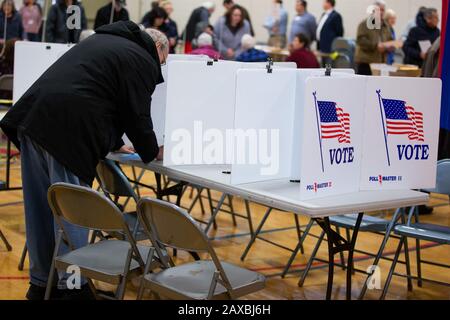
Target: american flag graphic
{"points": [[403, 120], [334, 122]]}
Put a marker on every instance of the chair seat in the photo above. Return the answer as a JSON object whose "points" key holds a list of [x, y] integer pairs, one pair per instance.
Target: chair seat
{"points": [[368, 223], [424, 231], [192, 281], [106, 258]]}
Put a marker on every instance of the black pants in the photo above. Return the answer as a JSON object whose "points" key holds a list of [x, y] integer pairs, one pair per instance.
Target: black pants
{"points": [[363, 69]]}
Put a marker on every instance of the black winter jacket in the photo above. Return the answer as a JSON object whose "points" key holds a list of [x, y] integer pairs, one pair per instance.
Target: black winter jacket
{"points": [[79, 109], [421, 32]]}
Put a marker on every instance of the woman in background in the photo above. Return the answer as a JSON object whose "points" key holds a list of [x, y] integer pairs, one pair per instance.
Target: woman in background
{"points": [[155, 18], [301, 54], [31, 20], [391, 20], [229, 31], [14, 28]]}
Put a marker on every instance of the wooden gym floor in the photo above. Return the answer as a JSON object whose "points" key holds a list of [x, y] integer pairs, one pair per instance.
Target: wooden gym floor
{"points": [[263, 257]]}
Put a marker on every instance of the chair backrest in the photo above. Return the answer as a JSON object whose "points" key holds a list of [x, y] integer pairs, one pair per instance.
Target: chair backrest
{"points": [[345, 46], [342, 62], [6, 82], [171, 226], [443, 178], [113, 180], [86, 208]]}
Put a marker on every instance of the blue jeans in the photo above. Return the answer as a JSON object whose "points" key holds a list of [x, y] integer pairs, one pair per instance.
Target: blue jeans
{"points": [[39, 171]]}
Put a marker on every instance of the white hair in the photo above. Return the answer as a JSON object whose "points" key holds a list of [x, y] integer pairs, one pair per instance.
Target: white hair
{"points": [[158, 36], [248, 42], [209, 5], [86, 34], [390, 14], [204, 39]]}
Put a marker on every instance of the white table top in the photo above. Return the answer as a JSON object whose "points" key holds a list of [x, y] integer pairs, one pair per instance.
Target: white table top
{"points": [[282, 194]]}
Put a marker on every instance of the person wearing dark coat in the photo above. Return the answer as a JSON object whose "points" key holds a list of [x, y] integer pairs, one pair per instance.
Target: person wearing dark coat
{"points": [[14, 27], [426, 30], [104, 13], [56, 29], [73, 116], [199, 16], [330, 27]]}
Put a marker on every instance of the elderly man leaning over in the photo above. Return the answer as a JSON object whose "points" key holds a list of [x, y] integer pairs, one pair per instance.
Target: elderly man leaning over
{"points": [[72, 117]]}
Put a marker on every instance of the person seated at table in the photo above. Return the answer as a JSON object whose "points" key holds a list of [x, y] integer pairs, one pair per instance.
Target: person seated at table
{"points": [[155, 19], [250, 54], [205, 47], [301, 54], [229, 31]]}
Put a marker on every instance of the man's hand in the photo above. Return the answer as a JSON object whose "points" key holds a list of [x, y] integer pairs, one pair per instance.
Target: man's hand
{"points": [[160, 155], [381, 47], [423, 55], [126, 149]]}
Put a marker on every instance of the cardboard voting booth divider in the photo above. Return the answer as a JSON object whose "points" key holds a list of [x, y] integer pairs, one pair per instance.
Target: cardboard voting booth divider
{"points": [[200, 102], [263, 124], [32, 59], [401, 133], [159, 97], [332, 134]]}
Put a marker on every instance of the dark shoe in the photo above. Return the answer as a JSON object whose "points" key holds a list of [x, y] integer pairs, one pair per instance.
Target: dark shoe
{"points": [[425, 210], [36, 293], [84, 293]]}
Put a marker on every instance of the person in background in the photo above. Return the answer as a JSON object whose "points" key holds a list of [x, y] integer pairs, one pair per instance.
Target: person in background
{"points": [[250, 54], [372, 44], [104, 13], [170, 27], [155, 18], [413, 23], [426, 31], [276, 24], [56, 27], [228, 4], [301, 54], [7, 65], [14, 27], [31, 13], [229, 31], [329, 28], [430, 68], [391, 19], [205, 47], [200, 15], [304, 22]]}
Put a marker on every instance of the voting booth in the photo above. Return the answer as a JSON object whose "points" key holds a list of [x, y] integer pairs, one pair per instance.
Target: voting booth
{"points": [[32, 59], [401, 133]]}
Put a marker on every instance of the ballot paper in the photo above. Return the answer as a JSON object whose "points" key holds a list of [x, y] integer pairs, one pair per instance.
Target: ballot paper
{"points": [[425, 45]]}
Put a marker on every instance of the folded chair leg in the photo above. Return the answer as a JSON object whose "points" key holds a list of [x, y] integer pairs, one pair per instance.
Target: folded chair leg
{"points": [[52, 275], [381, 250], [5, 241], [419, 264], [408, 265], [299, 233], [349, 238], [296, 250], [391, 271], [148, 263], [311, 260], [341, 254], [120, 294], [23, 257]]}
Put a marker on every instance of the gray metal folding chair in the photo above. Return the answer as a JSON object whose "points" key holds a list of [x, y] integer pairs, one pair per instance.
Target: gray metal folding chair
{"points": [[423, 231], [111, 261], [7, 82], [369, 224], [172, 227]]}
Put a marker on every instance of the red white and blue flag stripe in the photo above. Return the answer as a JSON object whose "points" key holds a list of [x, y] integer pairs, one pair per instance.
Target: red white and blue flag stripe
{"points": [[402, 119], [334, 122]]}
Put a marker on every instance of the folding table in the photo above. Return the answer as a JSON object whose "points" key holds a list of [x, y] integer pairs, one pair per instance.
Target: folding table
{"points": [[284, 195]]}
